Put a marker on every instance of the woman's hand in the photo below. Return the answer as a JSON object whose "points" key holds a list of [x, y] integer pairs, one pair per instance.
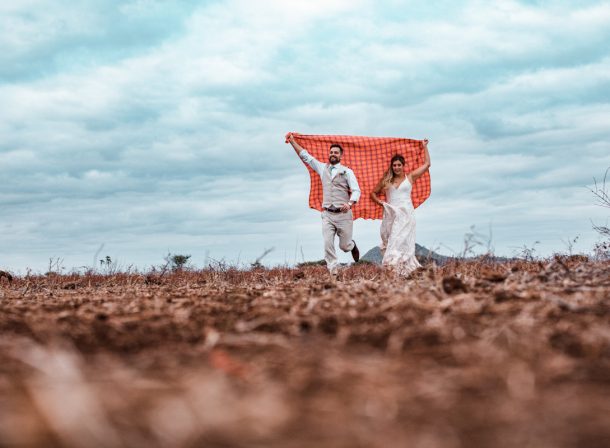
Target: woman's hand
{"points": [[375, 198]]}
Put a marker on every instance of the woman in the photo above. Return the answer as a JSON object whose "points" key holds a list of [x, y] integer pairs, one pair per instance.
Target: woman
{"points": [[398, 224]]}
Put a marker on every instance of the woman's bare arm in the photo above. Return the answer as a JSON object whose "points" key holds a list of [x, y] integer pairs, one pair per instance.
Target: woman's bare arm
{"points": [[375, 192], [417, 173]]}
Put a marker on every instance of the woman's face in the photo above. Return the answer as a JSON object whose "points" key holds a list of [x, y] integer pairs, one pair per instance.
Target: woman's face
{"points": [[397, 167]]}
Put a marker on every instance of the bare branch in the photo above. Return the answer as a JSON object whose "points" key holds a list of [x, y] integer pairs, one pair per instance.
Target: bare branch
{"points": [[601, 191]]}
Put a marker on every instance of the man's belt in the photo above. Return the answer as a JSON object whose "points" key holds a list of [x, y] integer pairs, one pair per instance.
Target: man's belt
{"points": [[332, 209]]}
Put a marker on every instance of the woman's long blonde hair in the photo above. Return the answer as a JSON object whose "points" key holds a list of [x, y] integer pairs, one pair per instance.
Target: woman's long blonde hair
{"points": [[388, 176]]}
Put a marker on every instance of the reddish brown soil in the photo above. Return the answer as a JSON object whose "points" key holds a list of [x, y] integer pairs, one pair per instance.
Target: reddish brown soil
{"points": [[468, 355]]}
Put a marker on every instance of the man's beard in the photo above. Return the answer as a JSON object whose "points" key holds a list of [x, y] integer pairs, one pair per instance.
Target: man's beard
{"points": [[333, 160]]}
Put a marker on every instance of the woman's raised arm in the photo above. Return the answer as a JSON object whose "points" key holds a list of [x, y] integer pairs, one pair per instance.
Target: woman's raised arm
{"points": [[416, 173]]}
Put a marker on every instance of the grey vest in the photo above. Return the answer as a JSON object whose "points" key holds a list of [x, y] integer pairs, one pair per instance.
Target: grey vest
{"points": [[336, 190]]}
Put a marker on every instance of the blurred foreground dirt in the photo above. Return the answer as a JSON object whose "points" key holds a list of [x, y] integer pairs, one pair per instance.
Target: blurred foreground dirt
{"points": [[469, 355]]}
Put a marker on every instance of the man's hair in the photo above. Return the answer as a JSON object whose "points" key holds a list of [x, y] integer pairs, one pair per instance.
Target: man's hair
{"points": [[336, 145]]}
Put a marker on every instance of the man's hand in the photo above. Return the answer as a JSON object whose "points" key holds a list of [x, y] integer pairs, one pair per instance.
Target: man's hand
{"points": [[346, 207]]}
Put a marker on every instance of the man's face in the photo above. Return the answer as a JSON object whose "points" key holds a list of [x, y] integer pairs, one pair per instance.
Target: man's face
{"points": [[334, 156]]}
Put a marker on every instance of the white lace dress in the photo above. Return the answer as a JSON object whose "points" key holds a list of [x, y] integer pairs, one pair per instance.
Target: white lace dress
{"points": [[398, 230]]}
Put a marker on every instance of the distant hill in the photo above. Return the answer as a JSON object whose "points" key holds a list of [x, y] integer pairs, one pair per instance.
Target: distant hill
{"points": [[422, 254]]}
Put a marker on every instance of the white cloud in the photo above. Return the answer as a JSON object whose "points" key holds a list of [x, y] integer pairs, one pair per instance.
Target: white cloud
{"points": [[177, 143]]}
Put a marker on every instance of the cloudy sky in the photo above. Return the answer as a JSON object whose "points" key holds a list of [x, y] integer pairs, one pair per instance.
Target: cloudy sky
{"points": [[151, 126]]}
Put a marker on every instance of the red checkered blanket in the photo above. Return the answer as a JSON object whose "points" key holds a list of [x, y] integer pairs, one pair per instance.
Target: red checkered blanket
{"points": [[369, 158]]}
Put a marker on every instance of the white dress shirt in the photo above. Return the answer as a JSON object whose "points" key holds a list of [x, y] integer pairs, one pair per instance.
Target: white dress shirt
{"points": [[319, 167]]}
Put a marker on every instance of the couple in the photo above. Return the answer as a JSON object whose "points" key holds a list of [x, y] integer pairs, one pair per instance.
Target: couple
{"points": [[341, 191]]}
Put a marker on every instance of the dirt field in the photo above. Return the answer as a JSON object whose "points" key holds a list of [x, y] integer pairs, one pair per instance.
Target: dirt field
{"points": [[468, 355]]}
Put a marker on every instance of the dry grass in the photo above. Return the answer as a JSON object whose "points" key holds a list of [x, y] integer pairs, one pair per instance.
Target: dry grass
{"points": [[467, 355]]}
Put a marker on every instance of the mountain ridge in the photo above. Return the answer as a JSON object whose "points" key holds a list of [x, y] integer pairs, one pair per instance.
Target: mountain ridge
{"points": [[422, 254]]}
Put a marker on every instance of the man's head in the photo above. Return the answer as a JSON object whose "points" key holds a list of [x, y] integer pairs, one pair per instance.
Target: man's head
{"points": [[335, 153]]}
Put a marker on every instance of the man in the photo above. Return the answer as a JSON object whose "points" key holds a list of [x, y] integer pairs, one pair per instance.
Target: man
{"points": [[340, 192]]}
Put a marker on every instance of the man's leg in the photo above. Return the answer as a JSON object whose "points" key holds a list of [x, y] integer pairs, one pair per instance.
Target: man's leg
{"points": [[328, 232], [344, 231], [345, 226]]}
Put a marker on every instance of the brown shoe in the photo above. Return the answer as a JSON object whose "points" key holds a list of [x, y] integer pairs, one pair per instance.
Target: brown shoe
{"points": [[355, 252]]}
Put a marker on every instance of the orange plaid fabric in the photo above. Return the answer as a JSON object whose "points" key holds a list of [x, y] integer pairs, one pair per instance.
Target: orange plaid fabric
{"points": [[369, 158]]}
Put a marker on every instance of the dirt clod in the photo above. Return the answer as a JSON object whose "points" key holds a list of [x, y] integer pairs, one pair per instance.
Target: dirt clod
{"points": [[453, 285]]}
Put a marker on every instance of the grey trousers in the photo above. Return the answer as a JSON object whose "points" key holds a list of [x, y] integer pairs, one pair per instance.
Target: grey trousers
{"points": [[341, 225]]}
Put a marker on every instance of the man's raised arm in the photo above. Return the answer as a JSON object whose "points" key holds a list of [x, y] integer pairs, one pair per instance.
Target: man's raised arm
{"points": [[310, 160], [297, 148]]}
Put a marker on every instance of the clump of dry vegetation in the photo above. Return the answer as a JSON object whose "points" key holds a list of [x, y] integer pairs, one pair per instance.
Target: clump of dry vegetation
{"points": [[600, 191], [470, 354]]}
